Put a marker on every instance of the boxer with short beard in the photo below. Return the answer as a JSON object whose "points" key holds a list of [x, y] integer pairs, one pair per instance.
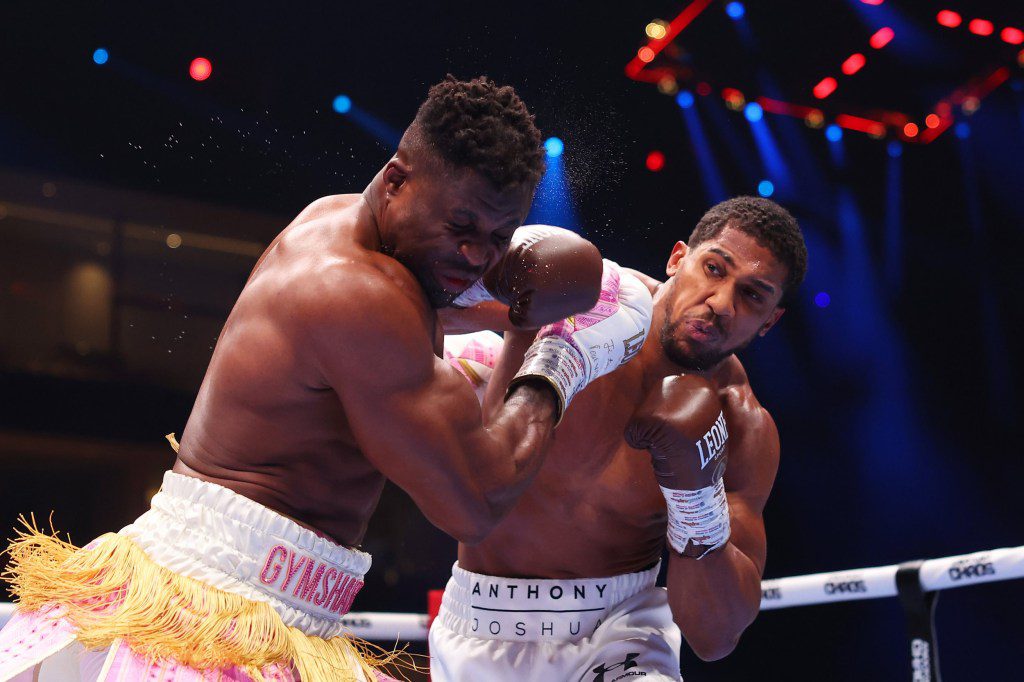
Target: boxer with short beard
{"points": [[327, 380], [563, 588]]}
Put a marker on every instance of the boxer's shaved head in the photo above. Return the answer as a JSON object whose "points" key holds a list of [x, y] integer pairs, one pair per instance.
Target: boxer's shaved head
{"points": [[481, 126]]}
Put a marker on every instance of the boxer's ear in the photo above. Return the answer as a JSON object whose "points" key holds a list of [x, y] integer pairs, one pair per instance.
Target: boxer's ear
{"points": [[770, 322], [678, 252], [396, 172]]}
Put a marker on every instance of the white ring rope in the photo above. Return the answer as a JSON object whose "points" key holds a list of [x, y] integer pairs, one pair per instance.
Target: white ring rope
{"points": [[780, 593]]}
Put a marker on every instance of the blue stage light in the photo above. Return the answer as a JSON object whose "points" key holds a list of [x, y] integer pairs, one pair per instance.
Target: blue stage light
{"points": [[342, 104], [894, 149], [765, 188], [684, 99], [554, 147], [736, 10], [834, 133], [962, 130], [753, 112], [100, 56], [822, 299]]}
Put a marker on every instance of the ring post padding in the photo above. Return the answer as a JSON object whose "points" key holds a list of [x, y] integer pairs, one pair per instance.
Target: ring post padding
{"points": [[919, 609]]}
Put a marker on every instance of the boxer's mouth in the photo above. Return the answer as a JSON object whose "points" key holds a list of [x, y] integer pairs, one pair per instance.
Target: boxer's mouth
{"points": [[457, 283], [705, 332]]}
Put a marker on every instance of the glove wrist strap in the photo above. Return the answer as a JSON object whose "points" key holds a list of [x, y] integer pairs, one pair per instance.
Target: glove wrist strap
{"points": [[559, 363], [476, 293], [697, 519]]}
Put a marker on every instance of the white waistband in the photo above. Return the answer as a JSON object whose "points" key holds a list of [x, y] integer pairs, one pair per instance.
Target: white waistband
{"points": [[205, 531], [534, 609]]}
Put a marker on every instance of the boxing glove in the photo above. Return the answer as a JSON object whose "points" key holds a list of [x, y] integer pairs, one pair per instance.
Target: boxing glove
{"points": [[681, 424], [473, 356], [573, 352], [547, 274]]}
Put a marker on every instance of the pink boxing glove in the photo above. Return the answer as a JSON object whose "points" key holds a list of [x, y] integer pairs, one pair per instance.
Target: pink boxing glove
{"points": [[573, 352], [474, 356]]}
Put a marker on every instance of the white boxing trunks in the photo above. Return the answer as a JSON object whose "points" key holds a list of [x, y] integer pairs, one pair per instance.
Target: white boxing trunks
{"points": [[207, 584], [523, 629]]}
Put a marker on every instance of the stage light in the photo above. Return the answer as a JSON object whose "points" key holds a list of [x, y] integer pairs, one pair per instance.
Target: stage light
{"points": [[910, 130], [645, 54], [970, 105], [173, 240], [753, 112], [100, 56], [833, 132], [684, 99], [881, 38], [655, 161], [822, 299], [703, 89], [735, 10], [814, 119], [894, 149], [932, 120], [872, 2], [1011, 35], [656, 29], [949, 18], [554, 147], [1020, 59], [980, 27], [200, 68], [668, 86], [962, 130], [825, 87], [853, 63], [765, 188], [342, 104]]}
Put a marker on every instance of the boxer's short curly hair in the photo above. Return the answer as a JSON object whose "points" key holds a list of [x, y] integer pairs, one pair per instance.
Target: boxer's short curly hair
{"points": [[772, 226], [479, 125]]}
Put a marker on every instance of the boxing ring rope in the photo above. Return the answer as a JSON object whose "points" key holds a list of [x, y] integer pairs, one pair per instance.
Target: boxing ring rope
{"points": [[917, 584]]}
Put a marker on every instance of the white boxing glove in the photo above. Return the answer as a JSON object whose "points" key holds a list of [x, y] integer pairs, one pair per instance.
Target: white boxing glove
{"points": [[573, 352], [474, 356]]}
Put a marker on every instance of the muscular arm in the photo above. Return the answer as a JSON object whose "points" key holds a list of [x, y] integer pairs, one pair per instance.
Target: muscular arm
{"points": [[714, 600], [414, 418]]}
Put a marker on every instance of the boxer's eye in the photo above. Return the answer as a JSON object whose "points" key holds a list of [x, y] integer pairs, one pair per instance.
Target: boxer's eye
{"points": [[754, 295], [714, 269]]}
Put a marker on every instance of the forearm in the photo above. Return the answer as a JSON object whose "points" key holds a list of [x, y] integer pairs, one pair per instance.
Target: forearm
{"points": [[521, 429], [713, 600]]}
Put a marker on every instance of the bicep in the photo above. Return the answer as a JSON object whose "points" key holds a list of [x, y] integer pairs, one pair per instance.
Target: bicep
{"points": [[749, 477]]}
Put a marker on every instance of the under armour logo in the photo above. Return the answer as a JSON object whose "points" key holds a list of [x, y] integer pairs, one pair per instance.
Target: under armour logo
{"points": [[630, 662]]}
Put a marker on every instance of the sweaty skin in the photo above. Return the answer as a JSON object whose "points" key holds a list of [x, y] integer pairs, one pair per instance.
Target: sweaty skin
{"points": [[326, 377], [595, 508]]}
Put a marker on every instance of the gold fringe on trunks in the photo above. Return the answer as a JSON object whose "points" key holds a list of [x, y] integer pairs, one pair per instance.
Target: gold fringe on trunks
{"points": [[113, 590]]}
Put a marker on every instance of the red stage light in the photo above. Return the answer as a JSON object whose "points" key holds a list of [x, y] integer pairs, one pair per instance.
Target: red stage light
{"points": [[932, 121], [200, 68], [703, 89], [853, 63], [981, 27], [949, 19], [1014, 36], [881, 38], [825, 88], [872, 2], [910, 130], [655, 161], [645, 54]]}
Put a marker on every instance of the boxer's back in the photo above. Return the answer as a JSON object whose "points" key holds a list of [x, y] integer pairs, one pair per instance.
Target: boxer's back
{"points": [[265, 423]]}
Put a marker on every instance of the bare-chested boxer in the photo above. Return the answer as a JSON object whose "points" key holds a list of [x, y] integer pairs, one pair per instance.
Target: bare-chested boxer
{"points": [[327, 380], [563, 588]]}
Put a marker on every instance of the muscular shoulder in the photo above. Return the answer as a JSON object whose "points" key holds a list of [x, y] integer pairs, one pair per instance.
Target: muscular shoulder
{"points": [[753, 436]]}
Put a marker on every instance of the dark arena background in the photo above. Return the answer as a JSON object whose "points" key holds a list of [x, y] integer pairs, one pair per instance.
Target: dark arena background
{"points": [[150, 151]]}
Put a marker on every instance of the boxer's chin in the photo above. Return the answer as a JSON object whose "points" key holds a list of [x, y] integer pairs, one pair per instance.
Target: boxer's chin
{"points": [[685, 353]]}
